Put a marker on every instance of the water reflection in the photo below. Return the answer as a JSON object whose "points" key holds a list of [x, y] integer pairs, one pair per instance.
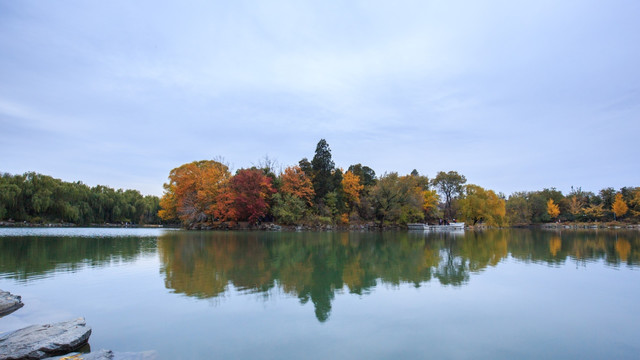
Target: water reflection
{"points": [[27, 257], [313, 266]]}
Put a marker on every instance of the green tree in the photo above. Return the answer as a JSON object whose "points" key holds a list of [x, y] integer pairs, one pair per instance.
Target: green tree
{"points": [[518, 209], [323, 171], [366, 174], [450, 185]]}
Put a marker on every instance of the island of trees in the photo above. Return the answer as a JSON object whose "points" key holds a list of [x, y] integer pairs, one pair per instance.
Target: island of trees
{"points": [[205, 194]]}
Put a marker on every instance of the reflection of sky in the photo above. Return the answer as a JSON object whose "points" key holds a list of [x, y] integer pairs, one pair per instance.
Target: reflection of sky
{"points": [[515, 95], [508, 311]]}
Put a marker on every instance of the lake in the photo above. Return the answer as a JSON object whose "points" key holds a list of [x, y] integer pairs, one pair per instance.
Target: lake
{"points": [[333, 295]]}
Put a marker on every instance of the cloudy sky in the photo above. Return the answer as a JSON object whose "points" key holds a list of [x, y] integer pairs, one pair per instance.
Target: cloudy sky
{"points": [[516, 95]]}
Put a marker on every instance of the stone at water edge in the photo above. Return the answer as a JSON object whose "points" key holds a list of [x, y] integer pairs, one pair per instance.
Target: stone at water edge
{"points": [[108, 355], [40, 341], [9, 303]]}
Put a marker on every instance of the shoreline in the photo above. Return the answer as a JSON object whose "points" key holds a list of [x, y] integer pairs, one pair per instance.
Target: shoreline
{"points": [[306, 227]]}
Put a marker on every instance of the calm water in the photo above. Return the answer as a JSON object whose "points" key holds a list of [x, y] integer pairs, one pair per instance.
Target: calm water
{"points": [[499, 294]]}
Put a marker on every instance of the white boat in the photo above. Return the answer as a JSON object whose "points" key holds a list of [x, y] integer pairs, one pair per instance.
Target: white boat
{"points": [[424, 227]]}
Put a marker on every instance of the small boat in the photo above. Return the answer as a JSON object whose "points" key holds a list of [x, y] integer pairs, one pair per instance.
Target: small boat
{"points": [[448, 227]]}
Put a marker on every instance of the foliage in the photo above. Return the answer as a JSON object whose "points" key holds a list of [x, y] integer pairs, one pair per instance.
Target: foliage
{"points": [[352, 187], [553, 209], [430, 203], [322, 167], [366, 174], [35, 197], [449, 184], [397, 199], [594, 212], [250, 191], [288, 209], [518, 209], [295, 182], [480, 205], [619, 206], [194, 190]]}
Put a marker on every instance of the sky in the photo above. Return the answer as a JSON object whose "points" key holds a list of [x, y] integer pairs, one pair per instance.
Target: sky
{"points": [[515, 95]]}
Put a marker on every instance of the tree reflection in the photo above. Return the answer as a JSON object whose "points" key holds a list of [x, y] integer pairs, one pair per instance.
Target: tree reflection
{"points": [[313, 266], [22, 258]]}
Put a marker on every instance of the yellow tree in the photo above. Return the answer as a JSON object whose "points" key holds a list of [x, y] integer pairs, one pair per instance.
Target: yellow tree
{"points": [[619, 207], [430, 204], [480, 205], [553, 209], [352, 188]]}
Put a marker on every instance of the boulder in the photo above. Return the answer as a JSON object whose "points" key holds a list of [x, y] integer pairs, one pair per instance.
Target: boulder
{"points": [[9, 303], [41, 341], [108, 355]]}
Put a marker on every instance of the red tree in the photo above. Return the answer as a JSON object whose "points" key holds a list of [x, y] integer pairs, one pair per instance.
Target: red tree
{"points": [[250, 189]]}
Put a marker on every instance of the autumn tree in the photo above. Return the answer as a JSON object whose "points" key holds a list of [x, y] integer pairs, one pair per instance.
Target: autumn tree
{"points": [[352, 187], [575, 205], [449, 184], [250, 190], [193, 190], [553, 209], [295, 182], [480, 205], [430, 203], [619, 206]]}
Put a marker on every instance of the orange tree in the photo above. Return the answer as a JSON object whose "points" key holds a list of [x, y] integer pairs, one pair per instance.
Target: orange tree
{"points": [[297, 183], [193, 190]]}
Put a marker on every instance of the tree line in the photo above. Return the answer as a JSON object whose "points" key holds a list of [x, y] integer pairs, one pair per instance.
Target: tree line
{"points": [[317, 192], [38, 198]]}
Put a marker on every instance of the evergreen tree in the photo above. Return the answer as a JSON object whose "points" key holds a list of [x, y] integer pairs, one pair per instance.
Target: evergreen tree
{"points": [[322, 168]]}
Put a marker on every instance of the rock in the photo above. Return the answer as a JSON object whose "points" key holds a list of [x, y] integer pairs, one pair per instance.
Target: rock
{"points": [[94, 355], [40, 341], [108, 355], [9, 303]]}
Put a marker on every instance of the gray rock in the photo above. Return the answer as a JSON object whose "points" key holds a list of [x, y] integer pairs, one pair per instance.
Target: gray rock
{"points": [[94, 355], [40, 341], [108, 355], [9, 303]]}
